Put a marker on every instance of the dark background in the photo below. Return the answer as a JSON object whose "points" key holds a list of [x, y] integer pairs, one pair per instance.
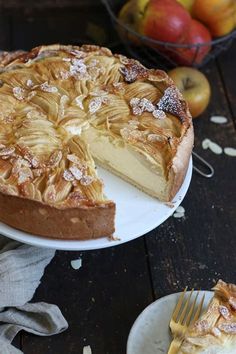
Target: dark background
{"points": [[102, 299]]}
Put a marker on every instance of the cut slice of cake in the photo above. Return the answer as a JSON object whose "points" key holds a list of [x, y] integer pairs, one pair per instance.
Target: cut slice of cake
{"points": [[64, 107], [215, 331]]}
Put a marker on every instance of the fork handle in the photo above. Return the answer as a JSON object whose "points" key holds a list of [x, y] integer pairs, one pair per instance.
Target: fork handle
{"points": [[174, 346]]}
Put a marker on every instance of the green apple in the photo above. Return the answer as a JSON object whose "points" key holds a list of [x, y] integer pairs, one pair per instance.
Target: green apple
{"points": [[188, 4]]}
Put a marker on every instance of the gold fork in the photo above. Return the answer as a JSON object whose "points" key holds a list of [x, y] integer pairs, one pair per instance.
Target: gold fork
{"points": [[182, 318]]}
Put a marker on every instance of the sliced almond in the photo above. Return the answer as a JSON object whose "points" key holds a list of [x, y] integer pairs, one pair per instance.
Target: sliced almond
{"points": [[76, 263], [217, 149], [230, 151], [205, 144], [178, 215], [218, 119], [55, 158], [180, 209], [87, 350]]}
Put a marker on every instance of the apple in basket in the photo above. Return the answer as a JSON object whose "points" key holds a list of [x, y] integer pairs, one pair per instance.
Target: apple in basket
{"points": [[218, 15], [130, 14], [197, 34], [188, 4], [164, 20]]}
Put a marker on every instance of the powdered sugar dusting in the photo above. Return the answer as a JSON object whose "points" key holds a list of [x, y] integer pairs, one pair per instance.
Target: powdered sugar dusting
{"points": [[170, 101]]}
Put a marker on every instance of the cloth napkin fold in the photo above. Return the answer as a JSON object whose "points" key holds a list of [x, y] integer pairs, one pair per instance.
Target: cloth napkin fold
{"points": [[21, 268]]}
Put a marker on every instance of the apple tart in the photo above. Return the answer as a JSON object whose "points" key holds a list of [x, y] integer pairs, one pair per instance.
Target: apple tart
{"points": [[65, 108], [215, 331]]}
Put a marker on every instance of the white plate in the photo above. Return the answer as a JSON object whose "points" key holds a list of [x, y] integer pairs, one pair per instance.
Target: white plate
{"points": [[150, 332], [136, 214]]}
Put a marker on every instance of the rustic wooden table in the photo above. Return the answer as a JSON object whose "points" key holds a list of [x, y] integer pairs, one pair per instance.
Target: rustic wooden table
{"points": [[102, 299]]}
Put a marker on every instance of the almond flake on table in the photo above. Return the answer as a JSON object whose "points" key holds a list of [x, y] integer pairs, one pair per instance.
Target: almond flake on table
{"points": [[208, 144], [76, 263], [218, 119], [205, 144], [180, 209], [230, 151], [87, 350], [217, 149], [179, 212]]}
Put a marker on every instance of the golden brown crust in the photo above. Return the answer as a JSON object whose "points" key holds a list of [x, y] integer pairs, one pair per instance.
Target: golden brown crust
{"points": [[78, 223], [181, 162], [8, 57]]}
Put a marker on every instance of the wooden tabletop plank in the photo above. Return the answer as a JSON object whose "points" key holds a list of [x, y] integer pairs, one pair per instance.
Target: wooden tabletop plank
{"points": [[100, 301], [226, 63], [199, 249]]}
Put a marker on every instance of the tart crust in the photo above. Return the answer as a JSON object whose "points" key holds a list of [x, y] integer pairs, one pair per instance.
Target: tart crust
{"points": [[79, 223]]}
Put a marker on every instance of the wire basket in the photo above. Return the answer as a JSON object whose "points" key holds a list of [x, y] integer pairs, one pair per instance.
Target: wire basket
{"points": [[163, 54]]}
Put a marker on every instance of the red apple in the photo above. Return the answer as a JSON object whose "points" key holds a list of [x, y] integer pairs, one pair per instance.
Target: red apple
{"points": [[197, 34], [165, 20]]}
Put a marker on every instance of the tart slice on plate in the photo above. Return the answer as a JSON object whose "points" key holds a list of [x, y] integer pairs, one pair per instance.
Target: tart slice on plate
{"points": [[65, 108], [215, 331]]}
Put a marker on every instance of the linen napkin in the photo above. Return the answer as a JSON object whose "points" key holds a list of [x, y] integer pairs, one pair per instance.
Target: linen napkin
{"points": [[21, 268]]}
